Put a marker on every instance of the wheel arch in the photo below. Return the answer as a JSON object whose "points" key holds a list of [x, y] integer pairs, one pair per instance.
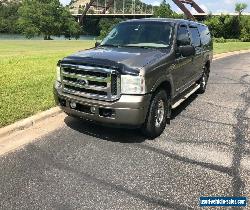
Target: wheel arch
{"points": [[207, 65], [165, 85]]}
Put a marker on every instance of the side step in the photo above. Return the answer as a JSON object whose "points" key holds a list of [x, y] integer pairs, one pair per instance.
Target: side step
{"points": [[176, 104]]}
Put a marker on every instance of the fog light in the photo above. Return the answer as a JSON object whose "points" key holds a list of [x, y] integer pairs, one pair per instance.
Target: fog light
{"points": [[72, 105]]}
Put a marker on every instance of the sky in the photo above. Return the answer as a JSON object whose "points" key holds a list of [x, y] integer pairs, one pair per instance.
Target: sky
{"points": [[214, 6]]}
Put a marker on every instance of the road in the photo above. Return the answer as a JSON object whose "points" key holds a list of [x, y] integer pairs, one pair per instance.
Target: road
{"points": [[205, 151]]}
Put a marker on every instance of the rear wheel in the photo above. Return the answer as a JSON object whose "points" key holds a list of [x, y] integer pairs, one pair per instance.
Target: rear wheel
{"points": [[157, 116]]}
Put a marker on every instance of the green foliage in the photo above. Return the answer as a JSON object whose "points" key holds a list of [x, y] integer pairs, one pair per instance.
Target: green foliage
{"points": [[69, 27], [9, 16], [245, 28], [222, 40], [47, 18], [240, 7], [228, 27], [165, 11], [245, 35], [215, 26], [219, 40], [27, 75]]}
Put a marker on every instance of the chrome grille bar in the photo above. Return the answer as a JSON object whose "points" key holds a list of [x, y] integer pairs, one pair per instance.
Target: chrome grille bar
{"points": [[90, 78], [91, 87], [87, 68], [91, 82]]}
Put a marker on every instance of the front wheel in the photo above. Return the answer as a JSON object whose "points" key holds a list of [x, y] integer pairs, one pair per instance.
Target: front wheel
{"points": [[156, 120], [203, 82]]}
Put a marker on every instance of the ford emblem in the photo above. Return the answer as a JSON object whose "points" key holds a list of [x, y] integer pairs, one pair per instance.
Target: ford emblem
{"points": [[82, 82]]}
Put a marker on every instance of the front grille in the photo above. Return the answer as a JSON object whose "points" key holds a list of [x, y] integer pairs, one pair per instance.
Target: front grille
{"points": [[93, 82]]}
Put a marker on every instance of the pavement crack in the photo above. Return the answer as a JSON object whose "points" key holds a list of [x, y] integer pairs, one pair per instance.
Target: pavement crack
{"points": [[240, 132]]}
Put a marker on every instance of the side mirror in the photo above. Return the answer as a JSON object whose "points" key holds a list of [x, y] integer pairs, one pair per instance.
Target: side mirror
{"points": [[97, 44], [183, 40], [187, 50]]}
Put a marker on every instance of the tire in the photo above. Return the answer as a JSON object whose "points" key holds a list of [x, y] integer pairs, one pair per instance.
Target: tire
{"points": [[203, 81], [158, 115]]}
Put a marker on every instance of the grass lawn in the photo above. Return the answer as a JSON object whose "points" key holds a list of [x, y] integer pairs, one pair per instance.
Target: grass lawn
{"points": [[230, 46], [27, 73]]}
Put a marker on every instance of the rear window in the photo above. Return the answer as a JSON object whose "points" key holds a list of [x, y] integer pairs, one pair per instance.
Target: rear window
{"points": [[205, 35]]}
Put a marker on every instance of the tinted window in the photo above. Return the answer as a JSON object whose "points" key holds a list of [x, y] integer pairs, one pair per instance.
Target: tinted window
{"points": [[205, 35], [183, 33], [196, 40]]}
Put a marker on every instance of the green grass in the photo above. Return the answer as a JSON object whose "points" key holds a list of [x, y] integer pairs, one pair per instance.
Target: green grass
{"points": [[27, 74], [230, 46]]}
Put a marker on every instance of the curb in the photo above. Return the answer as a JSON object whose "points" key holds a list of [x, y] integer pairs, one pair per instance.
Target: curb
{"points": [[29, 122], [227, 54]]}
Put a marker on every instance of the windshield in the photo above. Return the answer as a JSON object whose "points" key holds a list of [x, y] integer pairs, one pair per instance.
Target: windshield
{"points": [[140, 34]]}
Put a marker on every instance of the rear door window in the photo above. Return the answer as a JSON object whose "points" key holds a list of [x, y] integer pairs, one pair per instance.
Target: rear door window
{"points": [[195, 36], [205, 35]]}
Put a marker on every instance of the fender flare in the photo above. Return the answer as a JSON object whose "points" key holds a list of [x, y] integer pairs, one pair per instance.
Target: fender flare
{"points": [[168, 78]]}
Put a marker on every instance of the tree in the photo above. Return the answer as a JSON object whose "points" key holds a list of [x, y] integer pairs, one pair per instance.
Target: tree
{"points": [[225, 26], [164, 10], [106, 26], [46, 18], [9, 16], [240, 7]]}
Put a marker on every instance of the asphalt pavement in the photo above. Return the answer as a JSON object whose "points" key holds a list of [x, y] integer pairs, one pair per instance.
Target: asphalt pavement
{"points": [[205, 151]]}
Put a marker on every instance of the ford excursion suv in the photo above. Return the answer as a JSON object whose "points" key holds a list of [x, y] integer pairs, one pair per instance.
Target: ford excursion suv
{"points": [[141, 71]]}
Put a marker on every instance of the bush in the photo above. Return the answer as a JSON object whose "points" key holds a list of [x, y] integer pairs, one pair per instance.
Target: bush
{"points": [[222, 40], [219, 40], [245, 36], [245, 31], [232, 40]]}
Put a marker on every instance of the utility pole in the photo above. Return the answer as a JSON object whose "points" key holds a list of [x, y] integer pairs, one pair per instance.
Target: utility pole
{"points": [[97, 8], [114, 6], [134, 7], [105, 9], [123, 6]]}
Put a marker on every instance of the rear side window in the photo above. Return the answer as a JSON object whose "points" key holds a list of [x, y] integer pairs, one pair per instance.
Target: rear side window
{"points": [[205, 35], [183, 33], [196, 40]]}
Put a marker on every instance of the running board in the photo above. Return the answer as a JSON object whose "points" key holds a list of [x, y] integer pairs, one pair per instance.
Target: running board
{"points": [[185, 97]]}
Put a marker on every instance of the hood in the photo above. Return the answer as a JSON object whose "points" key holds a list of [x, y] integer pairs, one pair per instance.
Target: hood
{"points": [[128, 60]]}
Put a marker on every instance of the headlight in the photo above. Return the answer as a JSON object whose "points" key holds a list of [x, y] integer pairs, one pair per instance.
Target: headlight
{"points": [[132, 84], [58, 73]]}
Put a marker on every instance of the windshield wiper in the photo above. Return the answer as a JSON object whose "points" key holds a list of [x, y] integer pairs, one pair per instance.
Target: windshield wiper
{"points": [[136, 46], [109, 45]]}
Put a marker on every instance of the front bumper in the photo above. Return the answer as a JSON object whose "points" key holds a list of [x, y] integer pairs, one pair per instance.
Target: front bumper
{"points": [[129, 110]]}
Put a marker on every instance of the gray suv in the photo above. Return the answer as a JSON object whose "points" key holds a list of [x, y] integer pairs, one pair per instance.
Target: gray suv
{"points": [[141, 71]]}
